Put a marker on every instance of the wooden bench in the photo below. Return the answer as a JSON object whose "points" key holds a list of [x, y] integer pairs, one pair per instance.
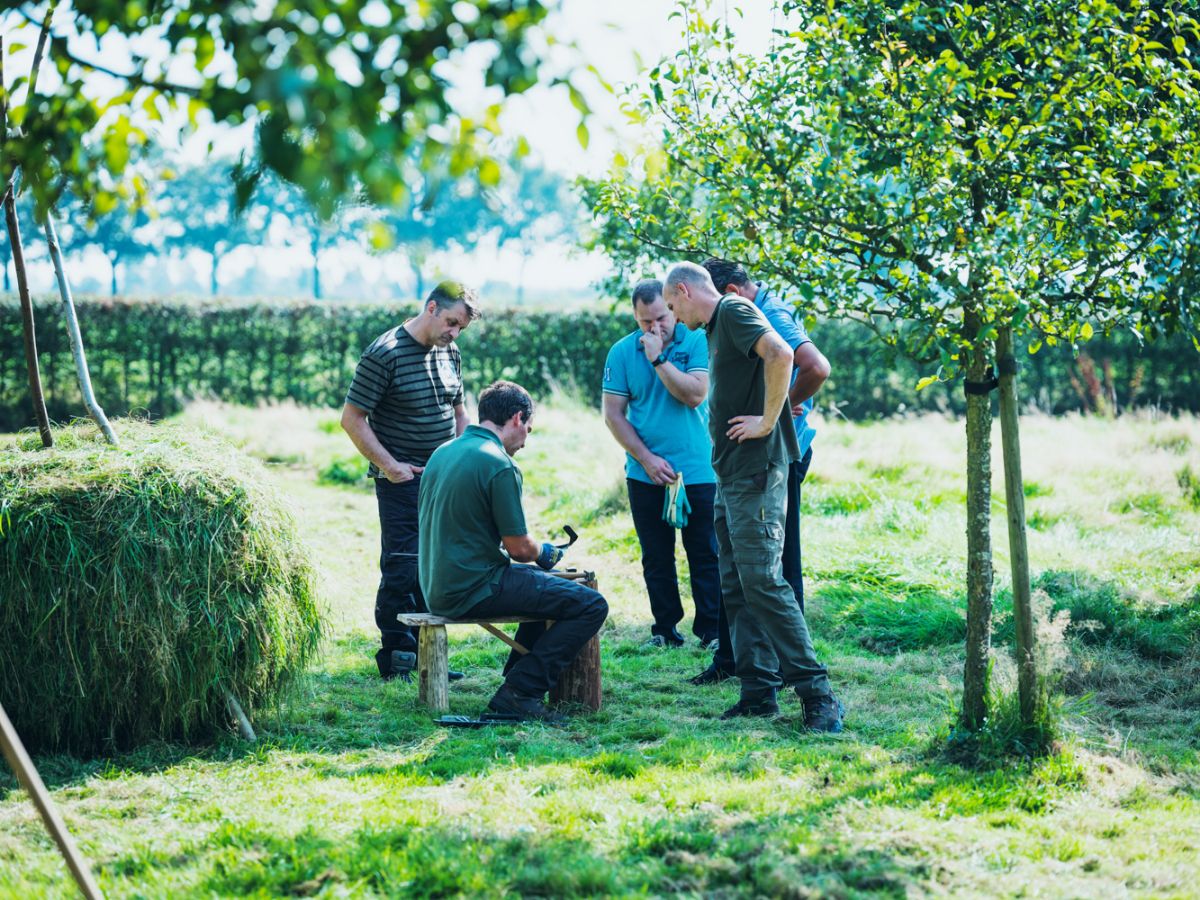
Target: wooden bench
{"points": [[579, 682]]}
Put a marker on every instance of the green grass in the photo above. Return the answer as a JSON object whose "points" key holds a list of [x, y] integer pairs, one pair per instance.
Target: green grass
{"points": [[352, 792]]}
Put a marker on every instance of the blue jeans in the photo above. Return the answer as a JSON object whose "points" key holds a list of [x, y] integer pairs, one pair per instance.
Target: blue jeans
{"points": [[576, 610], [793, 571], [399, 589], [658, 558]]}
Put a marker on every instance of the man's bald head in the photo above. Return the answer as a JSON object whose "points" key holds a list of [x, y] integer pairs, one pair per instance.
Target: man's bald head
{"points": [[690, 293]]}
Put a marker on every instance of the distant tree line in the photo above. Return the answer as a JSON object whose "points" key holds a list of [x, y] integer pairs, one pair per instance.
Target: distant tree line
{"points": [[198, 208]]}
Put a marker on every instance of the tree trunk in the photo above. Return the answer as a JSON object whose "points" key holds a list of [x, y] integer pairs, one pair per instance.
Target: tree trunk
{"points": [[31, 353], [1014, 490], [112, 264], [216, 259], [979, 537], [81, 366]]}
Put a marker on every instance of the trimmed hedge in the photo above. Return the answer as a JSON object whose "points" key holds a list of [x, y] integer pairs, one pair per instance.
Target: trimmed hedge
{"points": [[139, 583], [153, 356]]}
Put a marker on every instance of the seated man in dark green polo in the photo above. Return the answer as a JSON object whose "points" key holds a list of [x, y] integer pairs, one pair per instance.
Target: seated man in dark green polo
{"points": [[470, 507]]}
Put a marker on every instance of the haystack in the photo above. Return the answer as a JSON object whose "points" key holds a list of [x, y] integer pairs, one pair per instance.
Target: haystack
{"points": [[138, 584]]}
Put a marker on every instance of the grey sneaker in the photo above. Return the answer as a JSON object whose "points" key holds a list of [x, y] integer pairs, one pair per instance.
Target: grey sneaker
{"points": [[395, 664], [823, 713]]}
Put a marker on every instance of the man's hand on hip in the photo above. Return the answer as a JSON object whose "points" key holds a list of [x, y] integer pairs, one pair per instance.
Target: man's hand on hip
{"points": [[660, 471], [748, 428], [399, 472]]}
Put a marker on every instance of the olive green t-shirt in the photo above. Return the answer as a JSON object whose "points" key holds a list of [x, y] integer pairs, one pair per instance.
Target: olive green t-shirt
{"points": [[737, 386], [470, 495]]}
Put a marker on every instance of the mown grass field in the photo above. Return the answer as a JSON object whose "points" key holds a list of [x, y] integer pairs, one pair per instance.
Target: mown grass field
{"points": [[351, 790]]}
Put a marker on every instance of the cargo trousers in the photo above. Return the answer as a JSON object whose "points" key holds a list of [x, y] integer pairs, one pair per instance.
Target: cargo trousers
{"points": [[771, 643]]}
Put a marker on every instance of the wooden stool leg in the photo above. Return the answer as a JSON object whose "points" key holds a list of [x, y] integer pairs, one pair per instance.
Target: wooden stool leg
{"points": [[433, 662], [580, 681]]}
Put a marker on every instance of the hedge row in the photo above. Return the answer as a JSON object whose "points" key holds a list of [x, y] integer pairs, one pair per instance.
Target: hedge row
{"points": [[154, 356]]}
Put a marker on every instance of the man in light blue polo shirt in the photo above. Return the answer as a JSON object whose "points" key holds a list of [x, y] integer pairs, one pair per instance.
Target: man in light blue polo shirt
{"points": [[810, 368], [655, 390]]}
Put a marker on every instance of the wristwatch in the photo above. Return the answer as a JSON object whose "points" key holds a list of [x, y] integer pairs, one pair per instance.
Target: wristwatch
{"points": [[662, 358]]}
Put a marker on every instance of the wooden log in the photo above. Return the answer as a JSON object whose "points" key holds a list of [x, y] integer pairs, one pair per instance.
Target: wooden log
{"points": [[580, 681], [433, 668]]}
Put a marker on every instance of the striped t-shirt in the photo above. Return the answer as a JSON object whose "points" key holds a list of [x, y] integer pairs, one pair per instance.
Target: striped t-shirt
{"points": [[408, 392]]}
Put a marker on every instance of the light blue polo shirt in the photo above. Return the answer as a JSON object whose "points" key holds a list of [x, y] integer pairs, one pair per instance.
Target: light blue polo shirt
{"points": [[782, 318], [670, 429]]}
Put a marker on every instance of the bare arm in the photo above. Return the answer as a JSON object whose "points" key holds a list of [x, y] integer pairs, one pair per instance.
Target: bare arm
{"points": [[689, 388], [777, 356], [618, 423], [812, 368], [355, 424], [460, 419], [521, 547]]}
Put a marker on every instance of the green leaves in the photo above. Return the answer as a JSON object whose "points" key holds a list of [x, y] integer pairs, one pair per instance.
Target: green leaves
{"points": [[341, 95], [1034, 163]]}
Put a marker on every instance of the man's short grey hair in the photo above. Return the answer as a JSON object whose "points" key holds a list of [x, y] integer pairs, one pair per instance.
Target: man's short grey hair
{"points": [[689, 273], [450, 293]]}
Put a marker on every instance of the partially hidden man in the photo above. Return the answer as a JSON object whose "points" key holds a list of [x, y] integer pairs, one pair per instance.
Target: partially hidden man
{"points": [[473, 530], [655, 405], [810, 368], [753, 444], [405, 401]]}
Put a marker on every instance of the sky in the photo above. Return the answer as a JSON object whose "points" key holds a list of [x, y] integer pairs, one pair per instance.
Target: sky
{"points": [[620, 38]]}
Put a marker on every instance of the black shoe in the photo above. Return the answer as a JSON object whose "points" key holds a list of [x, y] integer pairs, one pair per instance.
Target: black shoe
{"points": [[712, 675], [395, 664], [659, 640], [712, 643], [823, 713], [761, 707], [455, 676], [525, 708]]}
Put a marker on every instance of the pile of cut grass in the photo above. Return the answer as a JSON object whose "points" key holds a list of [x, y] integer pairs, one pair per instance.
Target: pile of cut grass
{"points": [[138, 584]]}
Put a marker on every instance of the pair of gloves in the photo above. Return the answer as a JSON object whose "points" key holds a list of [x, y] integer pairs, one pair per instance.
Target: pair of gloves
{"points": [[675, 504]]}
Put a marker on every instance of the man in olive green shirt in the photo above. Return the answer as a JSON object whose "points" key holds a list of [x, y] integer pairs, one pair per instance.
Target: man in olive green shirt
{"points": [[750, 366], [469, 507]]}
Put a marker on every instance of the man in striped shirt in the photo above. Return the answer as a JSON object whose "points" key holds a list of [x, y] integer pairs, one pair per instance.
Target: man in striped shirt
{"points": [[405, 401]]}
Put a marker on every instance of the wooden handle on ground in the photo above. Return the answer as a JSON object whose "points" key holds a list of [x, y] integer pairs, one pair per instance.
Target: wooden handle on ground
{"points": [[23, 768]]}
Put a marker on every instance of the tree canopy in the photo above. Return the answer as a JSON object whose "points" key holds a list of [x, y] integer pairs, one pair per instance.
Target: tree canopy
{"points": [[903, 162], [341, 94]]}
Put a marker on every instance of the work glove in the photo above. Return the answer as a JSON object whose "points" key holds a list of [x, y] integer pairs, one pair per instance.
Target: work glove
{"points": [[675, 504], [549, 557]]}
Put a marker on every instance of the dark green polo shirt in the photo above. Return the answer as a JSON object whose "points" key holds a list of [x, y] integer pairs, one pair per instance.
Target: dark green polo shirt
{"points": [[737, 386], [470, 495]]}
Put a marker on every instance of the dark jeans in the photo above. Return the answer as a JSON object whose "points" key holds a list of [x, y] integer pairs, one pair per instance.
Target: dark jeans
{"points": [[793, 571], [658, 558], [577, 612], [399, 588]]}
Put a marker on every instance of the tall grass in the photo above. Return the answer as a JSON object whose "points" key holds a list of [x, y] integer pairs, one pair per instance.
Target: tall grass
{"points": [[138, 583]]}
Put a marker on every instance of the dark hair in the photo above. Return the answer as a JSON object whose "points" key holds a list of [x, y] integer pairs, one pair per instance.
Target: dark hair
{"points": [[647, 291], [501, 399], [725, 272], [451, 293]]}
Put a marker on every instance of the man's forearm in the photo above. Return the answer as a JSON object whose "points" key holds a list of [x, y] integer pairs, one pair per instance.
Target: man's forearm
{"points": [[684, 387], [778, 372], [366, 442], [626, 435], [812, 368]]}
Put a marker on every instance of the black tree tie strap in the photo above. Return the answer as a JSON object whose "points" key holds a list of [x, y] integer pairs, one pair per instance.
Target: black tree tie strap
{"points": [[981, 388]]}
